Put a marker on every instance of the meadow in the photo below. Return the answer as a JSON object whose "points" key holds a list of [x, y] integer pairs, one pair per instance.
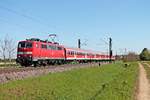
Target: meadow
{"points": [[107, 82]]}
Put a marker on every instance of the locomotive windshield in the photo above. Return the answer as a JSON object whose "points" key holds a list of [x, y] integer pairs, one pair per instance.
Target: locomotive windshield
{"points": [[25, 45]]}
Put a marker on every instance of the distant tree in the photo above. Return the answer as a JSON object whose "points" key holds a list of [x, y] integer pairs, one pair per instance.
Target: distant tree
{"points": [[3, 48], [145, 54], [132, 56], [7, 48], [11, 48]]}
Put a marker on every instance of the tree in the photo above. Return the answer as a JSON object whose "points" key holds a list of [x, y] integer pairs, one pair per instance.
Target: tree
{"points": [[145, 54], [10, 48], [7, 48], [132, 56], [3, 48]]}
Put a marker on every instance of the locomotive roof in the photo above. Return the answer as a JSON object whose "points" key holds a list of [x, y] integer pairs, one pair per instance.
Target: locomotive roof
{"points": [[42, 41], [39, 40]]}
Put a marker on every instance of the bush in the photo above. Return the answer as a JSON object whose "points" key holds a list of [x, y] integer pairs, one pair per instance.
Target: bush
{"points": [[145, 55]]}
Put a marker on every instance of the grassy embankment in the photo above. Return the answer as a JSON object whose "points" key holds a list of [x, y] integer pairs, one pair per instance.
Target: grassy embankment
{"points": [[108, 82], [147, 68]]}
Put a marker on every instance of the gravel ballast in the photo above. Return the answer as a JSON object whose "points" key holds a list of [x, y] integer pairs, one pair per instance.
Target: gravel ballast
{"points": [[18, 75]]}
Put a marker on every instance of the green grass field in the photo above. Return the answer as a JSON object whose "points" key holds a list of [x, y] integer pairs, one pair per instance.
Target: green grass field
{"points": [[108, 82]]}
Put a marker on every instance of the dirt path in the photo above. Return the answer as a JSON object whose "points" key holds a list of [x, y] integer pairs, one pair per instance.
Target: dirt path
{"points": [[144, 86]]}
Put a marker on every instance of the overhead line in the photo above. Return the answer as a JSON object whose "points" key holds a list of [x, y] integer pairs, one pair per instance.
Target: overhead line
{"points": [[7, 22], [24, 15]]}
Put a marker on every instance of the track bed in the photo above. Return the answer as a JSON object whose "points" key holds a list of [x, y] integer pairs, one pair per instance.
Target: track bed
{"points": [[8, 74]]}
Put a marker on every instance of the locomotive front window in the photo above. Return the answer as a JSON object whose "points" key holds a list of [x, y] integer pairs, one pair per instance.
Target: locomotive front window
{"points": [[21, 45], [25, 45], [28, 45]]}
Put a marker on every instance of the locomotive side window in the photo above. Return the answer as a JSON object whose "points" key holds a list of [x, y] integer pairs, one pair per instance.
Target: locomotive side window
{"points": [[51, 47], [59, 48], [44, 46]]}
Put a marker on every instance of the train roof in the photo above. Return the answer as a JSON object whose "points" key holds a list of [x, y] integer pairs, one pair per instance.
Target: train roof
{"points": [[83, 50], [67, 48]]}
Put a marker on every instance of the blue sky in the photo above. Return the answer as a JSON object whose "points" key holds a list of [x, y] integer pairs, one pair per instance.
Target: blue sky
{"points": [[126, 21]]}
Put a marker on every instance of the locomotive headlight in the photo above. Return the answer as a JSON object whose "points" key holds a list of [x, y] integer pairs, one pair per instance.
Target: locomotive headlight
{"points": [[27, 52]]}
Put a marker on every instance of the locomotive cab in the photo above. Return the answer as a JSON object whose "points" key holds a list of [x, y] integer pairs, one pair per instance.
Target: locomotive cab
{"points": [[24, 53]]}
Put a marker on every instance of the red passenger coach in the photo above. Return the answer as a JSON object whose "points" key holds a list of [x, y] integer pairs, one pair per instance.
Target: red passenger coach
{"points": [[38, 52]]}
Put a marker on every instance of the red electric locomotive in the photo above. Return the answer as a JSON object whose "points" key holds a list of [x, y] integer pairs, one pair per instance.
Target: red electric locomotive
{"points": [[35, 51]]}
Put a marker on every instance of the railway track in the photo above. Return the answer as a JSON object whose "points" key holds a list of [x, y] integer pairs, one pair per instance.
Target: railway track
{"points": [[21, 69], [8, 74]]}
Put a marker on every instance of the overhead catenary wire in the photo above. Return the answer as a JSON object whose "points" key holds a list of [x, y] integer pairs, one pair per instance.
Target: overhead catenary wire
{"points": [[26, 16], [13, 24]]}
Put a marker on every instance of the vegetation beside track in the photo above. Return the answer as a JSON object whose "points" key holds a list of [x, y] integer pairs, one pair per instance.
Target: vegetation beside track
{"points": [[147, 68], [146, 62], [107, 82], [8, 64]]}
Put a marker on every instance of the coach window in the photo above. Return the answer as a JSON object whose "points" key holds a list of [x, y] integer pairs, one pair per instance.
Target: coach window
{"points": [[75, 52], [69, 53], [72, 53], [82, 54]]}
